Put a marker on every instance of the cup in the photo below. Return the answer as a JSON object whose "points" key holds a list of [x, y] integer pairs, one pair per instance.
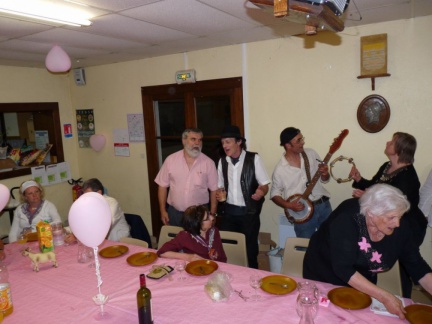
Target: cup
{"points": [[57, 232], [85, 254], [221, 194]]}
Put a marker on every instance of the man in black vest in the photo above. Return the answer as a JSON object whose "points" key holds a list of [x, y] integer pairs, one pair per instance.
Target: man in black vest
{"points": [[243, 176]]}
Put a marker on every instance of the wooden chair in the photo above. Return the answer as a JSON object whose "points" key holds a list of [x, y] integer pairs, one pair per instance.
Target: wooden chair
{"points": [[295, 248], [234, 245], [391, 280], [134, 241], [167, 233]]}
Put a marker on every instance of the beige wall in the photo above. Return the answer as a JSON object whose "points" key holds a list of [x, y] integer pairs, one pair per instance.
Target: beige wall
{"points": [[310, 83]]}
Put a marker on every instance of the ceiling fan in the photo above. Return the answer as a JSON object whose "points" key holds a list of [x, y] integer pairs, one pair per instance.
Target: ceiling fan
{"points": [[314, 14]]}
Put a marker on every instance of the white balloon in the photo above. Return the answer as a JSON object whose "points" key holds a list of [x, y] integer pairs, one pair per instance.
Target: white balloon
{"points": [[97, 142], [90, 219], [57, 60], [4, 196]]}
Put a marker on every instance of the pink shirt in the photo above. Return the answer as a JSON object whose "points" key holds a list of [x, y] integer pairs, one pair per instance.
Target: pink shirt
{"points": [[187, 187]]}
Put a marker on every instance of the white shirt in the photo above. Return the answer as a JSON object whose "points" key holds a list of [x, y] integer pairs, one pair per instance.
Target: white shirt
{"points": [[234, 194], [288, 180], [425, 203], [48, 212], [119, 226]]}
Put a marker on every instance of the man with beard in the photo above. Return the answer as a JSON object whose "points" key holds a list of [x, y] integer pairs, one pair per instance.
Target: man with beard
{"points": [[243, 176], [189, 175]]}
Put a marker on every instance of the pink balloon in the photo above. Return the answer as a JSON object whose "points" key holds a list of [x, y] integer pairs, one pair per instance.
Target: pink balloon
{"points": [[90, 219], [4, 196], [97, 142], [57, 60]]}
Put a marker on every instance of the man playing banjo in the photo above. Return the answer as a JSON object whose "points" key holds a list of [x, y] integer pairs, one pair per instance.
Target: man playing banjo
{"points": [[290, 178]]}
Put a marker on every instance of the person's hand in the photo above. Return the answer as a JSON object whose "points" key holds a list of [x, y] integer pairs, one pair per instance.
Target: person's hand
{"points": [[394, 305], [324, 170], [296, 205], [258, 194], [357, 193], [70, 238], [355, 174], [194, 257], [164, 217]]}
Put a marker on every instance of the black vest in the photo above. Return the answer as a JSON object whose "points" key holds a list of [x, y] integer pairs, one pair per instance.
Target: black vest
{"points": [[248, 182]]}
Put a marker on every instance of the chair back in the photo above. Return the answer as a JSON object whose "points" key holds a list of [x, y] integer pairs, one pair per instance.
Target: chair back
{"points": [[133, 241], [391, 280], [234, 245], [138, 230], [295, 249], [167, 233]]}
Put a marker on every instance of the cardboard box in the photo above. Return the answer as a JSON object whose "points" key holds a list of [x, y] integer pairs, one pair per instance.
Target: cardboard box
{"points": [[265, 245]]}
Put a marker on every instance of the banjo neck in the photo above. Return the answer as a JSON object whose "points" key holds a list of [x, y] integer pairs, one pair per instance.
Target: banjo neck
{"points": [[315, 178]]}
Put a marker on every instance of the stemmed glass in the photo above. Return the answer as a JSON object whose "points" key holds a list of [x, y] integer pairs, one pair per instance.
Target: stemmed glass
{"points": [[255, 282], [180, 266]]}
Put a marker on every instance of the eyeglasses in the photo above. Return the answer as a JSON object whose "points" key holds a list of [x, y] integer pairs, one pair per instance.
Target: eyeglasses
{"points": [[299, 140]]}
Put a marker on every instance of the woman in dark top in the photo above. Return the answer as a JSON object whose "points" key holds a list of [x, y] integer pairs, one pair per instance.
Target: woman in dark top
{"points": [[363, 237], [199, 240], [398, 172]]}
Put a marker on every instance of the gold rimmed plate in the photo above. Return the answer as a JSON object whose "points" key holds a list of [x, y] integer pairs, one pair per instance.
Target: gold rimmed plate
{"points": [[349, 298], [418, 314], [113, 251], [142, 259], [278, 285], [201, 267]]}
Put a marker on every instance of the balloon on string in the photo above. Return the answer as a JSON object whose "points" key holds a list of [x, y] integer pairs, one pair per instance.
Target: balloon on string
{"points": [[90, 219], [4, 196], [97, 142], [57, 60]]}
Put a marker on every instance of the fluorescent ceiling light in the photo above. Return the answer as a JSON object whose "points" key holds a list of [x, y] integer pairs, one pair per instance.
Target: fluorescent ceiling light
{"points": [[46, 10]]}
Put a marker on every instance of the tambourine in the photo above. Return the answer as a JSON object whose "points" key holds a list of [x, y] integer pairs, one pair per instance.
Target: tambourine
{"points": [[341, 158]]}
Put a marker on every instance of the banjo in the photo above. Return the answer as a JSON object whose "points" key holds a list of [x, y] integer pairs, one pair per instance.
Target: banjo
{"points": [[302, 216]]}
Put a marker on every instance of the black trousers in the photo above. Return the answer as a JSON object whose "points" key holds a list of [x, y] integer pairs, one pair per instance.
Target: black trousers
{"points": [[235, 219]]}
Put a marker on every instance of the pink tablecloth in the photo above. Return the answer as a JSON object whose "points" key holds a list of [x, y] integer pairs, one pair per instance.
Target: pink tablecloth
{"points": [[64, 294]]}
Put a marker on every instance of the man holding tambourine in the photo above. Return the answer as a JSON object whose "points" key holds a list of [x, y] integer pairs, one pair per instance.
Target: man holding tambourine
{"points": [[304, 199]]}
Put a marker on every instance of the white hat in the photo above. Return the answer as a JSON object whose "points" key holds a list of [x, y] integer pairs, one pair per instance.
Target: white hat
{"points": [[29, 184]]}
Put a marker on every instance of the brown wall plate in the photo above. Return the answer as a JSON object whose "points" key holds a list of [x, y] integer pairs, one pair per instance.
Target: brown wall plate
{"points": [[373, 113]]}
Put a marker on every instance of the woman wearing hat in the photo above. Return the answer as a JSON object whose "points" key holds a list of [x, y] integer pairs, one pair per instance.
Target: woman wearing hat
{"points": [[33, 210]]}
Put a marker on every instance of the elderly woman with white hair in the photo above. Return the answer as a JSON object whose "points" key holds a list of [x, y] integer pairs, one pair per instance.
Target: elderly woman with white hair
{"points": [[363, 237], [33, 210]]}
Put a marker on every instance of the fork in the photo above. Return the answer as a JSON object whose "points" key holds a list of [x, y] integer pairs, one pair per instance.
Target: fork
{"points": [[239, 293]]}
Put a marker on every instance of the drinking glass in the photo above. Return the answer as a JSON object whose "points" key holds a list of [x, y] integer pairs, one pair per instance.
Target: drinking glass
{"points": [[180, 266], [307, 299], [255, 282], [307, 309], [57, 231]]}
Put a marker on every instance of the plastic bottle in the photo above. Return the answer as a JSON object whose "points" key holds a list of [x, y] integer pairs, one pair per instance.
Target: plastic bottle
{"points": [[6, 306], [145, 315]]}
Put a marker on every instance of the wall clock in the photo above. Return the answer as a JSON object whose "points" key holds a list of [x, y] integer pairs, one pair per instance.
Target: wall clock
{"points": [[373, 113]]}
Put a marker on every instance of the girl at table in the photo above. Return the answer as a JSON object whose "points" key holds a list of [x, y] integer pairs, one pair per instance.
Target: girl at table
{"points": [[363, 237], [199, 240], [33, 210]]}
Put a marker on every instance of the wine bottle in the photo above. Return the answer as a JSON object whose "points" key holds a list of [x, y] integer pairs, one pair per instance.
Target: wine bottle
{"points": [[144, 303]]}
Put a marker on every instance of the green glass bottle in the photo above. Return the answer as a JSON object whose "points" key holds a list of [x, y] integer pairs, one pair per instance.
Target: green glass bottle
{"points": [[145, 315]]}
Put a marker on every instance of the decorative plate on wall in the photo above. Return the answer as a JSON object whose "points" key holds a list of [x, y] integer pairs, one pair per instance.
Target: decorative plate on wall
{"points": [[373, 113]]}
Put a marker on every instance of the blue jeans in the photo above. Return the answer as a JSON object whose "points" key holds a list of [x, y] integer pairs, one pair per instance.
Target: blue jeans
{"points": [[321, 213]]}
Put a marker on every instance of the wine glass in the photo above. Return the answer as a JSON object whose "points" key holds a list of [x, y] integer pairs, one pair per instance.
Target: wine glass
{"points": [[180, 266], [255, 282]]}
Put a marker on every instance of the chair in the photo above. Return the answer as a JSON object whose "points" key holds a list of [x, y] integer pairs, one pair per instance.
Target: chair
{"points": [[390, 280], [138, 230], [167, 233], [234, 245], [133, 241], [295, 248]]}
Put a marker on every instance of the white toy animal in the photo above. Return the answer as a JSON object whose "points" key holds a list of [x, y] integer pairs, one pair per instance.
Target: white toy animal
{"points": [[37, 258]]}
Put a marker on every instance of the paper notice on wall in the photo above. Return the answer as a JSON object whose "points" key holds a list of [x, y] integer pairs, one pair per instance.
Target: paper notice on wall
{"points": [[64, 171], [42, 140], [39, 175], [136, 127], [52, 174], [121, 142]]}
